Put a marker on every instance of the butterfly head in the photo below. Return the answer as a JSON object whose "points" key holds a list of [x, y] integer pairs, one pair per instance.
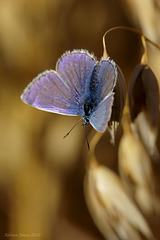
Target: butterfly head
{"points": [[85, 120]]}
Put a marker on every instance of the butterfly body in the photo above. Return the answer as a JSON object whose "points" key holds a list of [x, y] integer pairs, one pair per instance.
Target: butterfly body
{"points": [[92, 98], [80, 85]]}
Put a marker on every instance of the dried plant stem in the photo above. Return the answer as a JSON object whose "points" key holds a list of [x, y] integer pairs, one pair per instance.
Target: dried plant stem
{"points": [[144, 56], [95, 139], [126, 117], [126, 122], [143, 39]]}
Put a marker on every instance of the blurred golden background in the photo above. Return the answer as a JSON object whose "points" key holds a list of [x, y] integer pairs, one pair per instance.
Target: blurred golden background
{"points": [[41, 174]]}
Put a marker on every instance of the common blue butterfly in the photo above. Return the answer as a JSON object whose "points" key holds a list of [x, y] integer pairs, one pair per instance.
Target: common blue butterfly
{"points": [[80, 85]]}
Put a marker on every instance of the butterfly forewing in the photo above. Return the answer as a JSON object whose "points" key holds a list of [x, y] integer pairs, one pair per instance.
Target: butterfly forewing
{"points": [[50, 93], [76, 69], [62, 91]]}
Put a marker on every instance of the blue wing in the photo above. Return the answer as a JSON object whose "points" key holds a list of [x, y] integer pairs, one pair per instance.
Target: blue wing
{"points": [[76, 69], [107, 76], [100, 117], [61, 92], [50, 93]]}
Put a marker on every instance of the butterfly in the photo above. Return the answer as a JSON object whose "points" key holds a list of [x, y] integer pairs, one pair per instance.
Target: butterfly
{"points": [[80, 85]]}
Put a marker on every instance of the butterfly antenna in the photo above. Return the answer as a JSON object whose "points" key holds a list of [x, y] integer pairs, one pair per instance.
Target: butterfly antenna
{"points": [[72, 128], [86, 138]]}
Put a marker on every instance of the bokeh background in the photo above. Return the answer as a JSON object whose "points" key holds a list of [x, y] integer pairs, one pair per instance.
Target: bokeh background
{"points": [[41, 174]]}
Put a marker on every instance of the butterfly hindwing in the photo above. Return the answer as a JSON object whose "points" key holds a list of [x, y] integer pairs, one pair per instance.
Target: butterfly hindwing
{"points": [[108, 76], [100, 117]]}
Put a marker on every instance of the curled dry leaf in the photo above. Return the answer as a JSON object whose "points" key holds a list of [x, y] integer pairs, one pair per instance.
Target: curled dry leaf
{"points": [[112, 210], [119, 97], [144, 94], [118, 104], [144, 97]]}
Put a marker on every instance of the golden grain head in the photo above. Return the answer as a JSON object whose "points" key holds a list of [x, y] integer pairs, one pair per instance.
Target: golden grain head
{"points": [[147, 133], [136, 171], [112, 210]]}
